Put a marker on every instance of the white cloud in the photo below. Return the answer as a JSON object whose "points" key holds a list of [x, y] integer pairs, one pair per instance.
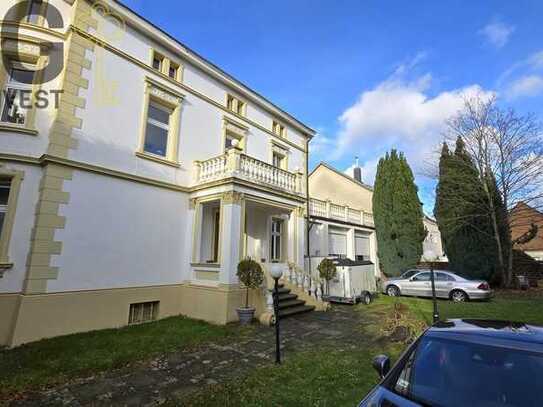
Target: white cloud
{"points": [[398, 112], [529, 85], [321, 143], [497, 33]]}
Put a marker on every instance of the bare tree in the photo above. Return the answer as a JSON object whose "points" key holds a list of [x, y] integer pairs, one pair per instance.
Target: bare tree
{"points": [[509, 147]]}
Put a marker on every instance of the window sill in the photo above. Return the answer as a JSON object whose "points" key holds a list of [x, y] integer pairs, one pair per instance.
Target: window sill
{"points": [[157, 159], [206, 265], [18, 129], [4, 266]]}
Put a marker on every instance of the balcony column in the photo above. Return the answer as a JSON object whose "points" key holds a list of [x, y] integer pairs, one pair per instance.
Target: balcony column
{"points": [[233, 161], [196, 165], [328, 202], [300, 184], [232, 220]]}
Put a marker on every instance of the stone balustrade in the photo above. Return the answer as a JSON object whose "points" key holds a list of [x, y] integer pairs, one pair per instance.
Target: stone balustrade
{"points": [[327, 209], [236, 164]]}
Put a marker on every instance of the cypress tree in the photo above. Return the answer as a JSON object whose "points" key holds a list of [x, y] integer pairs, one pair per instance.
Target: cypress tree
{"points": [[398, 215], [461, 211]]}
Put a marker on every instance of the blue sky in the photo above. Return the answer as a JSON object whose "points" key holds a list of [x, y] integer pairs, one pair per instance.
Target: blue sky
{"points": [[369, 75]]}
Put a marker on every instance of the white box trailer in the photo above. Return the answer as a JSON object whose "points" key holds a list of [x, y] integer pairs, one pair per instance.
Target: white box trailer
{"points": [[354, 282]]}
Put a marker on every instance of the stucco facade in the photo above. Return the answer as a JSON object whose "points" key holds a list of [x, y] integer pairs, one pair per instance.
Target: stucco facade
{"points": [[101, 215]]}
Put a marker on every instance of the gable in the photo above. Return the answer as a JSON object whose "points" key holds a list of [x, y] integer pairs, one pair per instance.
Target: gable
{"points": [[325, 183]]}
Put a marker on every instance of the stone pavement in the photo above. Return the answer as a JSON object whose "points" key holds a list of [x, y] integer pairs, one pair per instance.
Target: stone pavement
{"points": [[177, 374]]}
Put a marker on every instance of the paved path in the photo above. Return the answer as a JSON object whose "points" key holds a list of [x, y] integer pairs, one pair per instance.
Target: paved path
{"points": [[178, 374]]}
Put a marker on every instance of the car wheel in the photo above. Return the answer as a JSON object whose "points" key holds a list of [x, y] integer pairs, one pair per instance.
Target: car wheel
{"points": [[459, 296], [393, 291], [366, 298]]}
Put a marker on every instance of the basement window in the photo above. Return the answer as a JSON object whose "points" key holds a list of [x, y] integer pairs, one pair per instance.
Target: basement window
{"points": [[143, 312]]}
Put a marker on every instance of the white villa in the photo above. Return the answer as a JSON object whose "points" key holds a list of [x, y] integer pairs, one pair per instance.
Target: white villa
{"points": [[135, 197], [341, 217]]}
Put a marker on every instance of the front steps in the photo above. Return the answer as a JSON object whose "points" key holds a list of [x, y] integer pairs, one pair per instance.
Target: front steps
{"points": [[289, 304]]}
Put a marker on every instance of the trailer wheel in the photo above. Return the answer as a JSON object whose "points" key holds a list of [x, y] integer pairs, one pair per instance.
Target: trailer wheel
{"points": [[366, 298]]}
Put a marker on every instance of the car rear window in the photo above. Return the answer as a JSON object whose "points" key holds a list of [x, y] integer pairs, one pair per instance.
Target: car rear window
{"points": [[447, 373]]}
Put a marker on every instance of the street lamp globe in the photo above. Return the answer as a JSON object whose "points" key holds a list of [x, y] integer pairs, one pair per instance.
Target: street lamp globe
{"points": [[276, 271], [430, 255]]}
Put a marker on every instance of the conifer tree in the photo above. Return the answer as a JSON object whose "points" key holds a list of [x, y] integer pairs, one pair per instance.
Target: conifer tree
{"points": [[461, 212], [398, 215]]}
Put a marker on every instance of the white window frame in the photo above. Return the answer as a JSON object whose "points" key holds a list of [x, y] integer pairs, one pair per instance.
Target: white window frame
{"points": [[276, 240], [160, 125], [12, 84]]}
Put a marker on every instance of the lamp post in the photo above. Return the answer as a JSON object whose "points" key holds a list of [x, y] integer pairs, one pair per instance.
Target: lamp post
{"points": [[430, 257], [276, 272]]}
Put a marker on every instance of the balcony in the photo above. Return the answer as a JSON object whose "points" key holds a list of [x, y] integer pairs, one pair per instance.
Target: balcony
{"points": [[235, 164], [329, 210]]}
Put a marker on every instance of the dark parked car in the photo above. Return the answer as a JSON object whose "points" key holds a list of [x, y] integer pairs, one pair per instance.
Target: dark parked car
{"points": [[465, 363]]}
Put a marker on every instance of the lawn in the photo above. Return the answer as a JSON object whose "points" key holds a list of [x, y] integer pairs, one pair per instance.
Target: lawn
{"points": [[59, 359], [338, 375], [327, 377]]}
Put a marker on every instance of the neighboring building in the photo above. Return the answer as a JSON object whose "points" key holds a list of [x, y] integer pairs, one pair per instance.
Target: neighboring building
{"points": [[432, 243], [341, 217], [523, 217], [136, 198]]}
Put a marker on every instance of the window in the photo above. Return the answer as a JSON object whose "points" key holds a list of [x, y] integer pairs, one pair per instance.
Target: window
{"points": [[157, 130], [143, 312], [278, 160], [337, 244], [422, 277], [230, 141], [216, 231], [5, 186], [10, 184], [234, 134], [173, 71], [278, 129], [33, 14], [362, 248], [158, 62], [17, 96], [208, 239], [235, 105], [276, 231], [443, 277], [449, 372]]}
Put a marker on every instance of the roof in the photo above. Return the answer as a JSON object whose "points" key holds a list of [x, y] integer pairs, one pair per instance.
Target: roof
{"points": [[328, 166], [522, 217], [488, 331], [193, 54]]}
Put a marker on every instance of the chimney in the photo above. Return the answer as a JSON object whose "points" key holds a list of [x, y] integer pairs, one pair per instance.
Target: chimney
{"points": [[357, 171]]}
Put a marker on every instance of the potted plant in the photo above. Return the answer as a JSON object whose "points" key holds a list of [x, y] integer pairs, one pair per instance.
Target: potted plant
{"points": [[327, 271], [251, 275]]}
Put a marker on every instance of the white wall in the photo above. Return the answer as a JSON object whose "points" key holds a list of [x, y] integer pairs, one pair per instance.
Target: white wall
{"points": [[111, 131], [120, 234]]}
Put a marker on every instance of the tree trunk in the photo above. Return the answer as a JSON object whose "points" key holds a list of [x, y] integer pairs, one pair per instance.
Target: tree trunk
{"points": [[496, 229], [247, 298]]}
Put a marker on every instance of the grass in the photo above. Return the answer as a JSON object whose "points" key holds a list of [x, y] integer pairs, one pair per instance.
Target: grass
{"points": [[331, 377], [323, 377], [504, 307], [57, 360]]}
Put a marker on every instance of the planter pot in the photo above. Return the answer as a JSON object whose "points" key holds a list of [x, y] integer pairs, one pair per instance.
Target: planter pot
{"points": [[245, 315]]}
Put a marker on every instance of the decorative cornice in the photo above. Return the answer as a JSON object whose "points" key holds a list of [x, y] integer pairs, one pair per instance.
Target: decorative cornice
{"points": [[232, 197]]}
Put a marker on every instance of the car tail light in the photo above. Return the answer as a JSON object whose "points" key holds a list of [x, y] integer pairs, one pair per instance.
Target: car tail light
{"points": [[483, 286]]}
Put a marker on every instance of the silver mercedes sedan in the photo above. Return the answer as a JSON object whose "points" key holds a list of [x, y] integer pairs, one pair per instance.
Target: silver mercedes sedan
{"points": [[417, 282]]}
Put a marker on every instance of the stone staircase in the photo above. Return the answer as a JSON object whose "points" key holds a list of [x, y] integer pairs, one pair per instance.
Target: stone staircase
{"points": [[290, 304]]}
